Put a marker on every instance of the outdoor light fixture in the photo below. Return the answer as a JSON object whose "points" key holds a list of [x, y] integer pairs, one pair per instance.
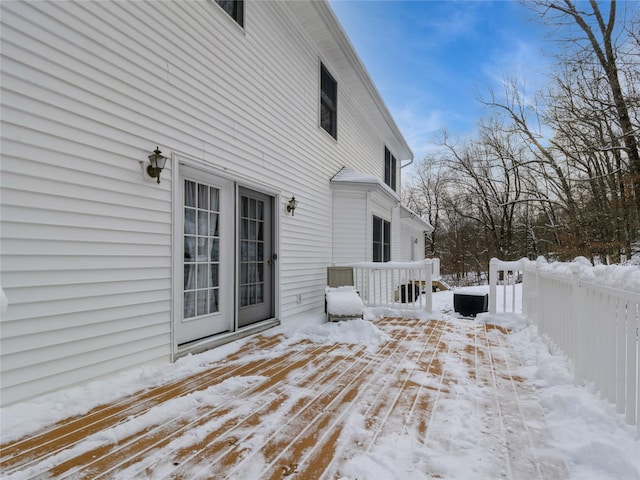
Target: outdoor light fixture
{"points": [[291, 205], [157, 162]]}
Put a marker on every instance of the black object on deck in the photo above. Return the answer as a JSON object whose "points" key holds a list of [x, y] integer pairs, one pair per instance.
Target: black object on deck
{"points": [[469, 305]]}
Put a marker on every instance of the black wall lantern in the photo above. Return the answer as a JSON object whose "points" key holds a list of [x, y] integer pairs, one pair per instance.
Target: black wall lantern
{"points": [[291, 205], [157, 162]]}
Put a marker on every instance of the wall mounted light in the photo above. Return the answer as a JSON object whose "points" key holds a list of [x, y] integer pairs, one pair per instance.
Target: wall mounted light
{"points": [[157, 162], [291, 205]]}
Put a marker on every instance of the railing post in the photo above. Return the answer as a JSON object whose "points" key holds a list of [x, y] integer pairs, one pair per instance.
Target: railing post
{"points": [[584, 334], [493, 280], [428, 292]]}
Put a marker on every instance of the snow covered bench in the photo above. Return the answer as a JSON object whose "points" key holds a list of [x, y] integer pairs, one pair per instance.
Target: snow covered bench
{"points": [[343, 303]]}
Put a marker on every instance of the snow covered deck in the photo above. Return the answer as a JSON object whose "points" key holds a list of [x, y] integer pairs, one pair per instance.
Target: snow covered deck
{"points": [[383, 399], [379, 399]]}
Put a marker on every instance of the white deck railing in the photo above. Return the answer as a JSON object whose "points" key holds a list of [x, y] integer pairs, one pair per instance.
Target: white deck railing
{"points": [[399, 285], [503, 277], [588, 313]]}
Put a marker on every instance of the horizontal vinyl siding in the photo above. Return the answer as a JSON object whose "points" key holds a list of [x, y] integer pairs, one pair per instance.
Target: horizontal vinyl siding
{"points": [[89, 90], [86, 242], [350, 228]]}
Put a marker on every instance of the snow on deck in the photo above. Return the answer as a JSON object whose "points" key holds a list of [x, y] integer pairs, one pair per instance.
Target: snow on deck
{"points": [[382, 399]]}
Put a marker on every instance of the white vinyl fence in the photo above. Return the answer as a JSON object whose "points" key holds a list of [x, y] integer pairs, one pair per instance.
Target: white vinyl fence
{"points": [[399, 285], [590, 313]]}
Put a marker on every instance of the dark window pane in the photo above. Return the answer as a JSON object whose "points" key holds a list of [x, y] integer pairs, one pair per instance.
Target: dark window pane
{"points": [[203, 222], [245, 207], [260, 233], [235, 9], [377, 229], [260, 212], [201, 296], [393, 173], [387, 166], [203, 272], [244, 229], [189, 221], [213, 273], [203, 196], [390, 165], [213, 225], [377, 252], [381, 240], [215, 202], [215, 250], [203, 249], [189, 193], [328, 102], [259, 294], [260, 272], [189, 276], [244, 292], [244, 273], [189, 249], [189, 304], [213, 301]]}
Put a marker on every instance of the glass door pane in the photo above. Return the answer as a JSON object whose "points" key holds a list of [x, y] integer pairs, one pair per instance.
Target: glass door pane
{"points": [[201, 249]]}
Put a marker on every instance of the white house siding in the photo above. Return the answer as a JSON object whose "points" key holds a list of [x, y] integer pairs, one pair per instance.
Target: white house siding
{"points": [[350, 226], [89, 89], [411, 242], [413, 229]]}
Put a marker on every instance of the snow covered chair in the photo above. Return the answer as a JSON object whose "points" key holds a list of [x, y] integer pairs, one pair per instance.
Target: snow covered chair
{"points": [[341, 297]]}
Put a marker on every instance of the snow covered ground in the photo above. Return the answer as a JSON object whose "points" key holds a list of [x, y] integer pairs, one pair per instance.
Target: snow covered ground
{"points": [[584, 431]]}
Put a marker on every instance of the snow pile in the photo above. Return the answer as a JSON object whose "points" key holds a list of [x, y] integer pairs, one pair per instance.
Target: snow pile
{"points": [[480, 290], [511, 321], [355, 332], [623, 277], [594, 441], [344, 301]]}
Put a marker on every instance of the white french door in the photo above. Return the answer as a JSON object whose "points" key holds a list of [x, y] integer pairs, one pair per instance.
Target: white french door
{"points": [[206, 306], [226, 256]]}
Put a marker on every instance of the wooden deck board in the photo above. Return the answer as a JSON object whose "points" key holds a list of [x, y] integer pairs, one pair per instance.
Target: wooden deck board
{"points": [[312, 411]]}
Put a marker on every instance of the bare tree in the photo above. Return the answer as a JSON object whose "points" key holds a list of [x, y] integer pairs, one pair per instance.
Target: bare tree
{"points": [[598, 41], [425, 196]]}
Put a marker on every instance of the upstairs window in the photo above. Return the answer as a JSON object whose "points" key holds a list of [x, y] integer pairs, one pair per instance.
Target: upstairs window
{"points": [[389, 169], [381, 240], [235, 9], [328, 102]]}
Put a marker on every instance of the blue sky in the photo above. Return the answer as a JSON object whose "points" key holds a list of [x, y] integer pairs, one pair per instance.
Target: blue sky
{"points": [[432, 60]]}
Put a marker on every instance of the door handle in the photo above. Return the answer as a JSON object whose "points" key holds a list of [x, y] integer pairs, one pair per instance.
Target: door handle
{"points": [[273, 258]]}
